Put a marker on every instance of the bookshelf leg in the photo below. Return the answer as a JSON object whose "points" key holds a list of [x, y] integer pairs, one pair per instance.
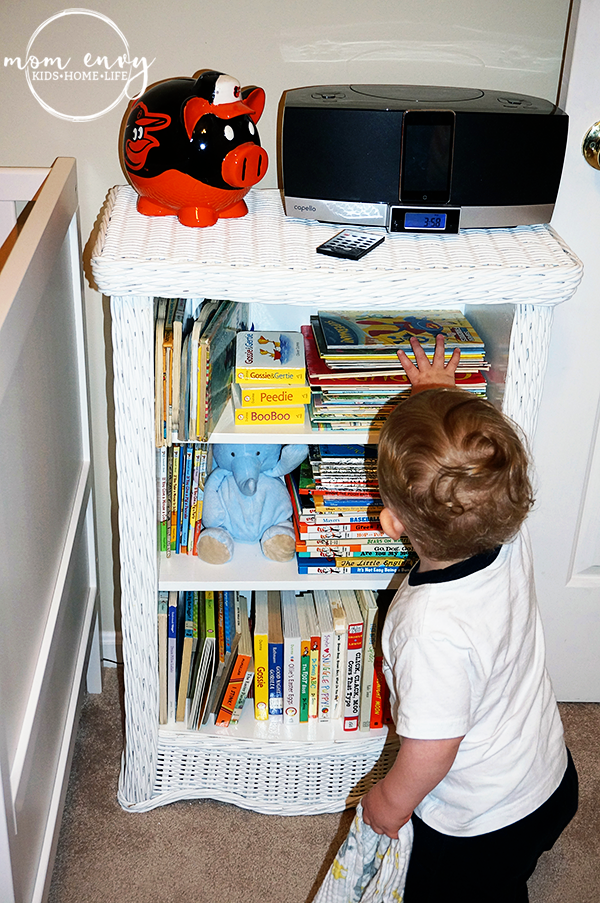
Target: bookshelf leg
{"points": [[133, 348]]}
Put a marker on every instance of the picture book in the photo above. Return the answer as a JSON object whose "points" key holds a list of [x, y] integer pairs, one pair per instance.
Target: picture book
{"points": [[353, 659], [216, 358], [325, 621], [291, 657], [275, 656], [163, 632], [340, 633], [205, 665], [186, 658], [395, 329], [261, 656], [238, 673], [172, 657], [275, 414], [272, 358], [302, 602], [315, 656], [267, 396], [368, 606]]}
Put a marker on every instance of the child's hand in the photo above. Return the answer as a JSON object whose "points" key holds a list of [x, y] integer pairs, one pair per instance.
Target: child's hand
{"points": [[426, 375], [381, 814]]}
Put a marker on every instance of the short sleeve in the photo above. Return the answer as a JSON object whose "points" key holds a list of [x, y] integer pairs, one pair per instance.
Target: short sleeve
{"points": [[431, 688]]}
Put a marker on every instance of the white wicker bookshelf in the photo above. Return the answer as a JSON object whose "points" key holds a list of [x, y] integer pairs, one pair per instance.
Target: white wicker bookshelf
{"points": [[508, 282]]}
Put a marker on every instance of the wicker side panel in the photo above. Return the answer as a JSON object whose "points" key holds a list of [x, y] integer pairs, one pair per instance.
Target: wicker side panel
{"points": [[133, 350], [528, 357]]}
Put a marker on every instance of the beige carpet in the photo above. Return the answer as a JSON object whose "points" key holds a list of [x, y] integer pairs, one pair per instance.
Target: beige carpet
{"points": [[208, 852]]}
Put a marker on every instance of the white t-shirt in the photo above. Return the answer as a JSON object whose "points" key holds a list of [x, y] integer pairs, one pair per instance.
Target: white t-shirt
{"points": [[466, 656]]}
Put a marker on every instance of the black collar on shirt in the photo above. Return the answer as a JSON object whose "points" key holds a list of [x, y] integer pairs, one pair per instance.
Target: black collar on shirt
{"points": [[454, 571]]}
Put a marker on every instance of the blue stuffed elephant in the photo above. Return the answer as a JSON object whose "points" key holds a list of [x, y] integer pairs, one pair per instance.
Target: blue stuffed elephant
{"points": [[246, 500]]}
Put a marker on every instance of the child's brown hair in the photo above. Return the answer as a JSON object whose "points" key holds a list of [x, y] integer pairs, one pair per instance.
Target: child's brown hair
{"points": [[456, 473]]}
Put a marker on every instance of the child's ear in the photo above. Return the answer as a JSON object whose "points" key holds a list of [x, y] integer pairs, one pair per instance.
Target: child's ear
{"points": [[391, 525]]}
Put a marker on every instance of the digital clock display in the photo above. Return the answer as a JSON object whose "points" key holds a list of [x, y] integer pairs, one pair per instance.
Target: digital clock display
{"points": [[425, 221]]}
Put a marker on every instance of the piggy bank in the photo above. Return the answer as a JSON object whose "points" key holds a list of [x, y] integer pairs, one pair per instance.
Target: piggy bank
{"points": [[190, 147]]}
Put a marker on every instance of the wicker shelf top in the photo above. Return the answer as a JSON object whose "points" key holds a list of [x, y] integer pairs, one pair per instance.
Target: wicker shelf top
{"points": [[268, 257]]}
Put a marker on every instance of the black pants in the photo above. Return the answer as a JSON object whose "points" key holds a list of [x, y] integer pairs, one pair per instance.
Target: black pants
{"points": [[489, 868]]}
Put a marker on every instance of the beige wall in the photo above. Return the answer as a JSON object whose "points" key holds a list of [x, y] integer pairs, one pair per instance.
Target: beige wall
{"points": [[514, 45]]}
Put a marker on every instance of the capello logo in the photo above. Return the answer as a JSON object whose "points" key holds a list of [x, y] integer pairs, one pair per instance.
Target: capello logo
{"points": [[300, 207]]}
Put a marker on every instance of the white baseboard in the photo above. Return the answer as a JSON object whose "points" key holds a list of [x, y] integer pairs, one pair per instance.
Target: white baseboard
{"points": [[111, 649]]}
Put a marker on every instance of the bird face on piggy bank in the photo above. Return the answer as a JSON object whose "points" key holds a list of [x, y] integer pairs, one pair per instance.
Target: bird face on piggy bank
{"points": [[190, 147]]}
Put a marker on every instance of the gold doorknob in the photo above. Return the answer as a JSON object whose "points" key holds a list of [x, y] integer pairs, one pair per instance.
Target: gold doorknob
{"points": [[591, 146]]}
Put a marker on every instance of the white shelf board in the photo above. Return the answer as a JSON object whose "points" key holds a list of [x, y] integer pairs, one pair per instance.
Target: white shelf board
{"points": [[227, 431], [271, 731], [249, 569]]}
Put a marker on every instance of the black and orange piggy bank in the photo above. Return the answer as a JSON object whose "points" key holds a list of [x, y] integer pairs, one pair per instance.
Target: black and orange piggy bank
{"points": [[190, 147]]}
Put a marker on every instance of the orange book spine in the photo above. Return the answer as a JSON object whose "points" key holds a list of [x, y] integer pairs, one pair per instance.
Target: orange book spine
{"points": [[233, 690]]}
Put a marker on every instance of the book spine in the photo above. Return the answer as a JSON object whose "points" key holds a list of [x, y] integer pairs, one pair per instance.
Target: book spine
{"points": [[353, 675], [186, 497], [186, 658], [368, 669], [377, 695], [232, 692], [274, 395], [228, 620], [194, 499], [276, 681], [326, 676], [163, 632], [291, 681], [339, 662], [332, 569], [313, 684], [294, 415], [254, 377], [162, 496], [172, 658], [239, 706], [261, 676], [175, 496], [304, 679]]}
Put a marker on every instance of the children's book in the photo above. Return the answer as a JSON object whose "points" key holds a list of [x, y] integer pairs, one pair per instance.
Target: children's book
{"points": [[382, 330], [302, 602], [325, 621], [238, 673], [291, 657], [216, 358], [368, 606], [172, 657], [275, 656], [186, 656], [353, 659], [163, 633], [159, 332], [270, 396], [261, 656], [268, 413], [315, 656], [270, 358], [340, 634], [206, 665]]}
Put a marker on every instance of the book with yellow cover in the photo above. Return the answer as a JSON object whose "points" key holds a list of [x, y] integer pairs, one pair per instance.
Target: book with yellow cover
{"points": [[261, 656], [270, 358], [270, 396]]}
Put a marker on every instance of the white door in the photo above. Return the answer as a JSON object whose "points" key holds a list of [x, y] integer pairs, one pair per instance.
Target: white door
{"points": [[566, 524]]}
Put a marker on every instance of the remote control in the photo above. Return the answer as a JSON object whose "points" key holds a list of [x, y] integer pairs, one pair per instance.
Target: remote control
{"points": [[352, 245]]}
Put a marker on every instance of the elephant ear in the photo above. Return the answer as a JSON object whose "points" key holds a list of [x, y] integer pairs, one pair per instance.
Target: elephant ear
{"points": [[291, 456]]}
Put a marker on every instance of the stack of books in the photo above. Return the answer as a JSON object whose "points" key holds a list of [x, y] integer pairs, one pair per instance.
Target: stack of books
{"points": [[270, 379], [298, 657], [181, 471], [194, 353], [205, 657], [353, 369], [336, 506]]}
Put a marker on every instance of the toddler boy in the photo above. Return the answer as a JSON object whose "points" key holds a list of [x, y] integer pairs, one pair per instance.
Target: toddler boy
{"points": [[483, 769]]}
